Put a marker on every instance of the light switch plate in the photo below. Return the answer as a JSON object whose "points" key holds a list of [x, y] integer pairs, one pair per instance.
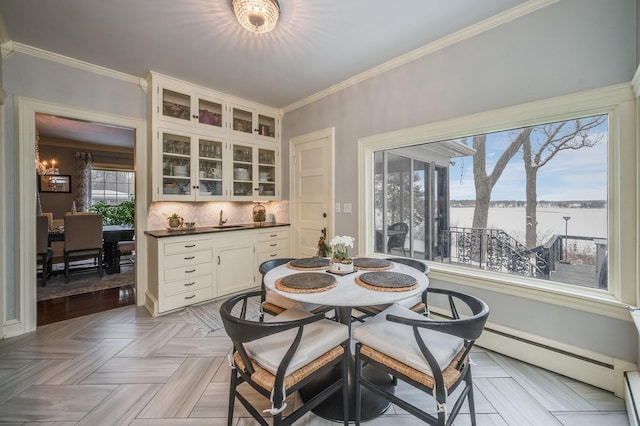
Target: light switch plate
{"points": [[347, 207], [337, 207]]}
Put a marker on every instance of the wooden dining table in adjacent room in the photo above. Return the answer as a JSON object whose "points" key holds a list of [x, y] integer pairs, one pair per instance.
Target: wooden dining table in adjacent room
{"points": [[111, 235]]}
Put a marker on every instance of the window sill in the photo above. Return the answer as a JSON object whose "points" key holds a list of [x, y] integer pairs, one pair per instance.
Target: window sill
{"points": [[581, 299]]}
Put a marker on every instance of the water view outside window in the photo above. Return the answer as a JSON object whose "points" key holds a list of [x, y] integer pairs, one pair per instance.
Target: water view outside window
{"points": [[112, 186], [529, 201]]}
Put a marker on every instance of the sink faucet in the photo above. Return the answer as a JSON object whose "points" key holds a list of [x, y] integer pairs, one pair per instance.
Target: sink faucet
{"points": [[221, 222]]}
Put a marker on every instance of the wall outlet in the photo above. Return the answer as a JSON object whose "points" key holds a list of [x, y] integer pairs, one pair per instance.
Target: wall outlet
{"points": [[347, 207], [337, 207]]}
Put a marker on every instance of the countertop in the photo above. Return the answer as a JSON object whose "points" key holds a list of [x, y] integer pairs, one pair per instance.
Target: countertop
{"points": [[162, 233]]}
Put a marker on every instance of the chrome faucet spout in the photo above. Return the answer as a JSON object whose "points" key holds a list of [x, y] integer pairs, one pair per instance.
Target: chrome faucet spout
{"points": [[221, 222]]}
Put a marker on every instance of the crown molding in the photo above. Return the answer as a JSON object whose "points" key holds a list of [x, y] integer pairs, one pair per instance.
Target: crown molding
{"points": [[12, 47], [468, 32]]}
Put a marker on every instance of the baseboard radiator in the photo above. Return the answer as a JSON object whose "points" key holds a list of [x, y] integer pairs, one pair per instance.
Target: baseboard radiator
{"points": [[602, 371]]}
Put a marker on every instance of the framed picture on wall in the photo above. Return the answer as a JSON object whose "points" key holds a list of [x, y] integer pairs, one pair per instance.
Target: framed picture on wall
{"points": [[55, 183]]}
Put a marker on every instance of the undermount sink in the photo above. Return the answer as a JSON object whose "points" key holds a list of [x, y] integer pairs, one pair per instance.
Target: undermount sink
{"points": [[228, 226]]}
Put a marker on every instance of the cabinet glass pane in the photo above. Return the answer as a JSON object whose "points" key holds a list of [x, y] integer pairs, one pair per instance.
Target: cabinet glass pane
{"points": [[242, 170], [266, 126], [210, 113], [176, 164], [210, 167], [176, 105], [242, 120], [266, 172]]}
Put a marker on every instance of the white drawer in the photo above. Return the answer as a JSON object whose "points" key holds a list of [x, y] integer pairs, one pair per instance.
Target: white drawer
{"points": [[187, 246], [184, 259], [190, 284], [273, 235], [273, 245], [184, 299], [187, 272], [264, 256]]}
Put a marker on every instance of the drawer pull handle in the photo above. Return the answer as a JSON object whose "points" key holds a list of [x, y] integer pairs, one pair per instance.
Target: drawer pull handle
{"points": [[189, 297], [273, 235], [273, 245], [189, 258], [188, 272], [274, 255], [190, 246], [190, 284]]}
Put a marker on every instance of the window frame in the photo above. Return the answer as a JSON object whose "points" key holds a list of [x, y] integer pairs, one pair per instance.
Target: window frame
{"points": [[102, 167], [618, 102]]}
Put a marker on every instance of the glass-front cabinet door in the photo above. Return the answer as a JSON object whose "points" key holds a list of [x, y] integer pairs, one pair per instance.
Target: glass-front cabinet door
{"points": [[266, 126], [266, 172], [175, 106], [210, 113], [242, 120], [243, 162], [210, 167], [176, 166]]}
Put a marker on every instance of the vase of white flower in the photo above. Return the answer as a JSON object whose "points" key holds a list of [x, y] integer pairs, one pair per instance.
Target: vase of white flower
{"points": [[340, 261]]}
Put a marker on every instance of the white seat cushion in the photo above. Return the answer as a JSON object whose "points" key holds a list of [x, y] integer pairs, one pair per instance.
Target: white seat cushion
{"points": [[397, 340], [407, 303], [317, 339], [287, 303]]}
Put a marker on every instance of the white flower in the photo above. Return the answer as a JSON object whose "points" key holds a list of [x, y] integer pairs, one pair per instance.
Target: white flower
{"points": [[344, 240]]}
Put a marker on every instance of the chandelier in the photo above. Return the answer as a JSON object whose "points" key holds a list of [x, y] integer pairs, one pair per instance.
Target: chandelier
{"points": [[258, 16]]}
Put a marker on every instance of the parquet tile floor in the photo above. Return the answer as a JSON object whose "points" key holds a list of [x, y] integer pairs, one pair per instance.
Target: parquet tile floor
{"points": [[124, 367]]}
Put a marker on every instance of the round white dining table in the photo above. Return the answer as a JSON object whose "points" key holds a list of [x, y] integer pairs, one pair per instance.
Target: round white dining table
{"points": [[346, 295]]}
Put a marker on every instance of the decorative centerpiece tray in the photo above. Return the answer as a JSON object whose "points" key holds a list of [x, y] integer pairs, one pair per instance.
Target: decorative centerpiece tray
{"points": [[306, 282]]}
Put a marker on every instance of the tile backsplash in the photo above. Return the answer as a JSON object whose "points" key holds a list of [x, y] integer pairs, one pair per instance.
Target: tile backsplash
{"points": [[208, 214]]}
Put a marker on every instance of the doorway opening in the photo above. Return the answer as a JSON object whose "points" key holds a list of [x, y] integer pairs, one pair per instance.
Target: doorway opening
{"points": [[98, 160]]}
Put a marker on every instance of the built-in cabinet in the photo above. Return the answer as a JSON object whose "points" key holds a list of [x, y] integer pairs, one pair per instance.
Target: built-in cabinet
{"points": [[208, 146], [188, 269]]}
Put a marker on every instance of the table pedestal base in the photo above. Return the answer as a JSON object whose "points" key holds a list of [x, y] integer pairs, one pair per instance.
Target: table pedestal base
{"points": [[373, 404]]}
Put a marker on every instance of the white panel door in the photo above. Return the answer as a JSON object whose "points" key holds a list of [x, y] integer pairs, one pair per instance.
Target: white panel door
{"points": [[311, 191]]}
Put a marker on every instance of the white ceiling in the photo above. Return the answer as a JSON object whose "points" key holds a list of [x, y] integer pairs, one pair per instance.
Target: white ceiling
{"points": [[316, 44]]}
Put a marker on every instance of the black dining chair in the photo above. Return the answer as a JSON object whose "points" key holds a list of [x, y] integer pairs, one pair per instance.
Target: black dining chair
{"points": [[282, 354], [274, 304], [430, 355]]}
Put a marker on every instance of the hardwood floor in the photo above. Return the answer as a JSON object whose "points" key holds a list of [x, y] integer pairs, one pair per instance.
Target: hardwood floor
{"points": [[124, 367], [62, 308]]}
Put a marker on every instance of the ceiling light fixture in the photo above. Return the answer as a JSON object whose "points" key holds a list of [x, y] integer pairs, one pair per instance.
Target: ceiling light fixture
{"points": [[258, 16]]}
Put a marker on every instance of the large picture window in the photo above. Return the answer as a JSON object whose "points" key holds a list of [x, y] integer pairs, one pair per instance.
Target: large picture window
{"points": [[536, 200], [530, 201]]}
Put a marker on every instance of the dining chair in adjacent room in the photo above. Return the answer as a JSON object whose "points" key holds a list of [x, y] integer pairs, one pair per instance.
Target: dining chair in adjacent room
{"points": [[397, 240], [82, 240], [127, 249], [416, 303], [274, 304], [43, 251], [279, 356], [430, 355]]}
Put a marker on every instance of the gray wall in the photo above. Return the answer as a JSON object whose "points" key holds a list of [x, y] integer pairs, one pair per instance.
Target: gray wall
{"points": [[570, 46], [25, 75]]}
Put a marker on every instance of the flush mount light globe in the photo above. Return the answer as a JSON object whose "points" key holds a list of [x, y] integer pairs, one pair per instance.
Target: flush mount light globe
{"points": [[258, 16]]}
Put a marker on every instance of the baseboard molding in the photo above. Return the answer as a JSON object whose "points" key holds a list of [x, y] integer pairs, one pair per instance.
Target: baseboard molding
{"points": [[596, 369], [632, 396]]}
